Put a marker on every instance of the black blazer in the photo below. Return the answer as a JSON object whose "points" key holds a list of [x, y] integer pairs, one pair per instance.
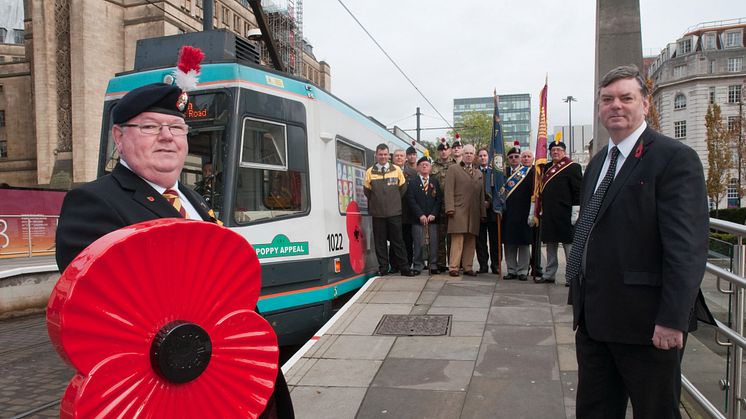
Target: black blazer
{"points": [[114, 201], [421, 203], [121, 199], [646, 254]]}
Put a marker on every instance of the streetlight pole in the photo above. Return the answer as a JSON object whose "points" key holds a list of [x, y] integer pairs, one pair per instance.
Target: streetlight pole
{"points": [[569, 100]]}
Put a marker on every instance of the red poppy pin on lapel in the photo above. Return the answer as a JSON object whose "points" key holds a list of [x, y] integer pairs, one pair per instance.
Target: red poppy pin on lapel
{"points": [[166, 340], [638, 150], [151, 199]]}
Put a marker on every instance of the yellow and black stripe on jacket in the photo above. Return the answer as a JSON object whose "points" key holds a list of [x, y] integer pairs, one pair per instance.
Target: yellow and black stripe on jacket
{"points": [[384, 189]]}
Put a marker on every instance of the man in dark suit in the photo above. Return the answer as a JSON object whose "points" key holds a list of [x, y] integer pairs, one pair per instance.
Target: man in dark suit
{"points": [[425, 198], [151, 137], [560, 206], [488, 249], [637, 260]]}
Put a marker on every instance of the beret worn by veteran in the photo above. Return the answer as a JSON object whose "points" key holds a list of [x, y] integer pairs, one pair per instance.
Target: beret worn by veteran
{"points": [[411, 150], [514, 150], [557, 144], [156, 97], [423, 158], [443, 146]]}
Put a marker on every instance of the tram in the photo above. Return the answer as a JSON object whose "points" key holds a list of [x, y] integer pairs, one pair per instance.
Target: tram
{"points": [[281, 161]]}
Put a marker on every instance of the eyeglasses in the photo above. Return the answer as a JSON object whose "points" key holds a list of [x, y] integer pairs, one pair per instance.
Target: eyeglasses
{"points": [[153, 129]]}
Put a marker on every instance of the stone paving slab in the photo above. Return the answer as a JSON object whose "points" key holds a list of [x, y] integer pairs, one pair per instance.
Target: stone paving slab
{"points": [[436, 347], [425, 374], [398, 403], [500, 398], [327, 402]]}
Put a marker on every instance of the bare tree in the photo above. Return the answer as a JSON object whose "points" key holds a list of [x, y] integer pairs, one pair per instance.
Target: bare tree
{"points": [[653, 118], [719, 159]]}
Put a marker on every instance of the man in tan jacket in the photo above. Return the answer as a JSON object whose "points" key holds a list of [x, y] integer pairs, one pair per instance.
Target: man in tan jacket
{"points": [[464, 194]]}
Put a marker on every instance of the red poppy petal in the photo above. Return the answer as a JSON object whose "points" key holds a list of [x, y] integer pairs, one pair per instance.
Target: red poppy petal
{"points": [[122, 289], [244, 362], [356, 237]]}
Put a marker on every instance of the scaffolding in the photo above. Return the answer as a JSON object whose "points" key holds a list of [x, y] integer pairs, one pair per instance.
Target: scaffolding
{"points": [[285, 21]]}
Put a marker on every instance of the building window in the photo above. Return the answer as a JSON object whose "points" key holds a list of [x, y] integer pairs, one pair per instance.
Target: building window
{"points": [[17, 59], [679, 129], [712, 95], [733, 189], [679, 101], [733, 124], [3, 149], [198, 3], [733, 39], [709, 41], [685, 46], [679, 71], [18, 35], [711, 68], [2, 58], [735, 64], [3, 32], [734, 93], [2, 119], [237, 23], [188, 5], [225, 16]]}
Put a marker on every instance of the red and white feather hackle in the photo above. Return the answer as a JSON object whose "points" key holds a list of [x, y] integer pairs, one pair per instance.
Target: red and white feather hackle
{"points": [[517, 145], [188, 67]]}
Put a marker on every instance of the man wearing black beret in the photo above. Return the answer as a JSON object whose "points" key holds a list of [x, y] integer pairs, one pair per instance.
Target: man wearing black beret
{"points": [[151, 137]]}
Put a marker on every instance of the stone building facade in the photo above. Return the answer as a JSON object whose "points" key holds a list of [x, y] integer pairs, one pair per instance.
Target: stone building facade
{"points": [[52, 99], [704, 66]]}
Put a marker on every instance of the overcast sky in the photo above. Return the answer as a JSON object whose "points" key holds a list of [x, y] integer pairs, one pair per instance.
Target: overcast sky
{"points": [[467, 48]]}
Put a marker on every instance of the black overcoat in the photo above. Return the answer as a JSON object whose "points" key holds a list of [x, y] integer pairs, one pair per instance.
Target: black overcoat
{"points": [[424, 203], [559, 195], [516, 230]]}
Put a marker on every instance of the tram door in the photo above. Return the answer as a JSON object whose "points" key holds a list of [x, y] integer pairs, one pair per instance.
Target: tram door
{"points": [[204, 166]]}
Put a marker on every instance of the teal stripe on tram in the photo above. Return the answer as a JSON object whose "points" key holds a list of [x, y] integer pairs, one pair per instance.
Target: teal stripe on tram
{"points": [[311, 296]]}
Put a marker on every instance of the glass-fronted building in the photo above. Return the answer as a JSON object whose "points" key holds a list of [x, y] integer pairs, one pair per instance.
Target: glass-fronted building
{"points": [[515, 114]]}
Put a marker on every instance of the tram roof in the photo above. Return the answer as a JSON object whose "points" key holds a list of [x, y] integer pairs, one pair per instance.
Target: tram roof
{"points": [[238, 73]]}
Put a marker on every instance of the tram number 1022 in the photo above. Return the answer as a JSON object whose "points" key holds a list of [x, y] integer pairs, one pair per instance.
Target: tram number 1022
{"points": [[335, 242]]}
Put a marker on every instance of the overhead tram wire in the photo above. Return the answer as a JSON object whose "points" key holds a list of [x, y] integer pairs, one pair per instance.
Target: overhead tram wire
{"points": [[399, 120], [395, 64]]}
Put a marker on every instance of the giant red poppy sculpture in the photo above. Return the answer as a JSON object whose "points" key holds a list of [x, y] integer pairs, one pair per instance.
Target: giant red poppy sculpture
{"points": [[158, 320]]}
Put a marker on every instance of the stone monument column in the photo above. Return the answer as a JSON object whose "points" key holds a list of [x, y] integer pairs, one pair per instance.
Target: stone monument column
{"points": [[618, 42]]}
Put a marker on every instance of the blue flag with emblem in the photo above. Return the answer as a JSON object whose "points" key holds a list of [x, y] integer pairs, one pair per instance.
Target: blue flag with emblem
{"points": [[497, 160]]}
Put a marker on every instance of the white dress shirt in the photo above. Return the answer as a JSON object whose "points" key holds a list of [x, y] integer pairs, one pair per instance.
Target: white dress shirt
{"points": [[625, 148]]}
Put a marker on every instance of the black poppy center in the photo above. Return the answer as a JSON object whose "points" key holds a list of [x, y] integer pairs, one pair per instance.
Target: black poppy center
{"points": [[180, 351]]}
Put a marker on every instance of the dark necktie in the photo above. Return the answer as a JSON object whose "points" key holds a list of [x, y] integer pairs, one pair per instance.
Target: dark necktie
{"points": [[587, 218], [173, 198]]}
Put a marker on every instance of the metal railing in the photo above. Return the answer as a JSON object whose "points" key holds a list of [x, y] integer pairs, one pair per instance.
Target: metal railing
{"points": [[27, 235], [733, 332]]}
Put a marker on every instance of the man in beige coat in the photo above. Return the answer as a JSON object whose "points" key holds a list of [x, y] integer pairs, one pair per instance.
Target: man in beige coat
{"points": [[464, 195]]}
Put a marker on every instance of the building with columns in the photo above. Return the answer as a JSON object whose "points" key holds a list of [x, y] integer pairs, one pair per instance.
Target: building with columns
{"points": [[704, 66], [51, 96]]}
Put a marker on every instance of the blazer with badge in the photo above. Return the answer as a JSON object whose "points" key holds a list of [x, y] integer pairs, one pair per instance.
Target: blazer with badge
{"points": [[114, 201], [646, 254], [423, 202]]}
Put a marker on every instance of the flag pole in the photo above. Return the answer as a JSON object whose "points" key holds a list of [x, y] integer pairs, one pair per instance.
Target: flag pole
{"points": [[540, 159], [497, 183]]}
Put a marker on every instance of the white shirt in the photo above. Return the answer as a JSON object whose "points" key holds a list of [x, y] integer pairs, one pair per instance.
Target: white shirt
{"points": [[625, 148], [382, 168], [191, 212]]}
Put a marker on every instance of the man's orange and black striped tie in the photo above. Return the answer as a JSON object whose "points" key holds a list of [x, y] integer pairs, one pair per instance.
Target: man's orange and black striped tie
{"points": [[173, 198]]}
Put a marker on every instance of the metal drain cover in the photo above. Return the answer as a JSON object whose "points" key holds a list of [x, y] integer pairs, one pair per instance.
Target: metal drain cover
{"points": [[414, 325]]}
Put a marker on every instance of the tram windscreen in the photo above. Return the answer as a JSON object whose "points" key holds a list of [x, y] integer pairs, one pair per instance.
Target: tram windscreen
{"points": [[207, 116]]}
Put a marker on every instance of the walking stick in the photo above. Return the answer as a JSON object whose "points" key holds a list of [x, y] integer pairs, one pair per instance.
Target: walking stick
{"points": [[426, 244], [499, 244]]}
